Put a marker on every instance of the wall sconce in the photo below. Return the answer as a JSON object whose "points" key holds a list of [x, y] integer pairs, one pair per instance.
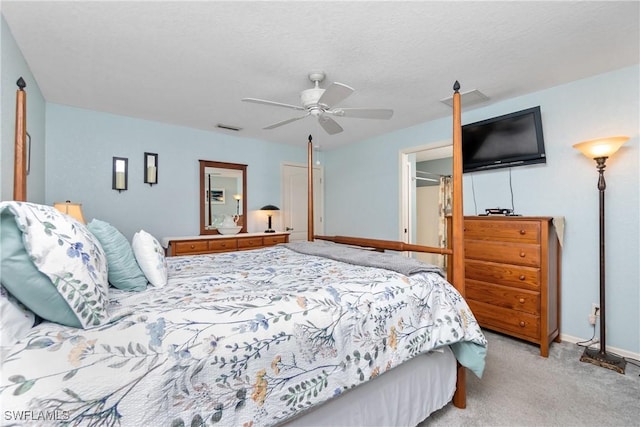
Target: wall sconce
{"points": [[120, 176], [72, 209], [150, 168], [599, 150], [270, 210], [237, 198]]}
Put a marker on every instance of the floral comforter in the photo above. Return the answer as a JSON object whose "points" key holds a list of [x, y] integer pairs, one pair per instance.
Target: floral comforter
{"points": [[235, 339]]}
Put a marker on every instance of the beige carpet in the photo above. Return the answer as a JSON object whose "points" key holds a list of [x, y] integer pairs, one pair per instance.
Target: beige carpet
{"points": [[520, 388]]}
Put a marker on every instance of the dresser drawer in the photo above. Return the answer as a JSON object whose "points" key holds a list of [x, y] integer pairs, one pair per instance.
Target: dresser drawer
{"points": [[503, 231], [511, 263], [510, 253], [250, 243], [222, 245], [503, 274], [517, 323], [503, 296], [274, 240], [189, 247]]}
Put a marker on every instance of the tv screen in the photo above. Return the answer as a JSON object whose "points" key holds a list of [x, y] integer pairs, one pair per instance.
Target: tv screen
{"points": [[514, 139]]}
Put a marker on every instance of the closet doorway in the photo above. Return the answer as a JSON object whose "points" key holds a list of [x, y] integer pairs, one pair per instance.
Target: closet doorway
{"points": [[426, 173]]}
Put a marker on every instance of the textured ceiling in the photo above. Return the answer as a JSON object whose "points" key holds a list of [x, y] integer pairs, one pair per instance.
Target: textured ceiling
{"points": [[190, 63]]}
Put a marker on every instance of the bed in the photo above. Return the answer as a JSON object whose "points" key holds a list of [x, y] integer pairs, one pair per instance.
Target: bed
{"points": [[307, 333]]}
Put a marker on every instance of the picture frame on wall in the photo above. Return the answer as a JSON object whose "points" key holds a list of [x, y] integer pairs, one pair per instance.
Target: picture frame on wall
{"points": [[215, 196], [28, 153]]}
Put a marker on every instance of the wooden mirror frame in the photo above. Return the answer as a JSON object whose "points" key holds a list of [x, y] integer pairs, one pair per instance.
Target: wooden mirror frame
{"points": [[222, 165]]}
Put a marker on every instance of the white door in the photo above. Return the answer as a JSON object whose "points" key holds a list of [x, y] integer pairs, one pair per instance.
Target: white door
{"points": [[294, 201]]}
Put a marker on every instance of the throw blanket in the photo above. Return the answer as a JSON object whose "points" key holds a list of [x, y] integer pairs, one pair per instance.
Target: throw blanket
{"points": [[365, 258]]}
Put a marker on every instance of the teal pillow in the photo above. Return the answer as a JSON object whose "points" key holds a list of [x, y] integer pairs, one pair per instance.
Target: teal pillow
{"points": [[52, 264], [124, 272], [17, 270]]}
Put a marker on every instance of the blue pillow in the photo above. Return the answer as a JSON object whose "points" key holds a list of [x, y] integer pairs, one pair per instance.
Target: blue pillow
{"points": [[124, 271], [53, 265]]}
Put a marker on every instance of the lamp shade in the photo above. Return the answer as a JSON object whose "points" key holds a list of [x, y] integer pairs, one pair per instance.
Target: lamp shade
{"points": [[601, 147], [72, 209], [269, 208]]}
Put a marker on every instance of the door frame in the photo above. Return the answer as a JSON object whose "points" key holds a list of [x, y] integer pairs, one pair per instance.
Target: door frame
{"points": [[407, 159]]}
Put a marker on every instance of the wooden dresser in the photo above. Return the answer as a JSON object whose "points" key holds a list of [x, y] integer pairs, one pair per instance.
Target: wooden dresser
{"points": [[512, 276], [214, 243]]}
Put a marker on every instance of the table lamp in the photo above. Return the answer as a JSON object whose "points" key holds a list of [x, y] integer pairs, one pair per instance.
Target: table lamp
{"points": [[270, 210], [72, 209]]}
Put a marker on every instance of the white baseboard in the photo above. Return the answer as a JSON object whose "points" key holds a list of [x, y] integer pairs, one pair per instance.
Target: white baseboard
{"points": [[618, 351]]}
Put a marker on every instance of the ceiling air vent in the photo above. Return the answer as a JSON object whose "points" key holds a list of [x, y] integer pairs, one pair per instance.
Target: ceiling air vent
{"points": [[228, 127], [467, 98]]}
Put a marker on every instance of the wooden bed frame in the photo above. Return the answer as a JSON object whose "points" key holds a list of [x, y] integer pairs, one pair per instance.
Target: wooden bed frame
{"points": [[20, 154], [456, 250]]}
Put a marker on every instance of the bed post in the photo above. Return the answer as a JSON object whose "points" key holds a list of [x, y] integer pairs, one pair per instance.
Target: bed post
{"points": [[457, 230], [20, 155], [459, 398], [310, 216]]}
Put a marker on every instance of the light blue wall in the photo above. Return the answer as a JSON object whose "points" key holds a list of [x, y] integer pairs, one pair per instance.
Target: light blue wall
{"points": [[80, 147], [12, 67], [361, 182]]}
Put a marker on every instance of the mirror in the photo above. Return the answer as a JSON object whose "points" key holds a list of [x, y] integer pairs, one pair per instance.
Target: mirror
{"points": [[223, 193]]}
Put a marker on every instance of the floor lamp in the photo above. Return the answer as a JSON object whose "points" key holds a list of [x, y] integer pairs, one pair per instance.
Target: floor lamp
{"points": [[599, 150]]}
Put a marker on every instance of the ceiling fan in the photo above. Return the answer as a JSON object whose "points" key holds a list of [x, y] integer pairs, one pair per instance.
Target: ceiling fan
{"points": [[320, 103]]}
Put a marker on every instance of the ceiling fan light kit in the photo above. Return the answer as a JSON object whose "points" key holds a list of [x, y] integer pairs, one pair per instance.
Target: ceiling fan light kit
{"points": [[318, 102]]}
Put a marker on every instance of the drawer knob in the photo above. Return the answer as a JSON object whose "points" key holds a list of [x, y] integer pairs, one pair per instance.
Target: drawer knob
{"points": [[522, 254], [193, 246], [521, 300], [521, 277], [523, 232], [522, 324]]}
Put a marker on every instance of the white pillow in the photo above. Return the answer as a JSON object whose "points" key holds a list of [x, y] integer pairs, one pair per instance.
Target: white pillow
{"points": [[15, 322], [150, 256]]}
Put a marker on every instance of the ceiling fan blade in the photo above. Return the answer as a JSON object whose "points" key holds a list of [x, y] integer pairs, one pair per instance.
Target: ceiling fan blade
{"points": [[363, 113], [334, 94], [275, 104], [328, 124], [284, 122]]}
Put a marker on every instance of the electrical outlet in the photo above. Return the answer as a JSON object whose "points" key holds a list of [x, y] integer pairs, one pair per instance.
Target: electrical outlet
{"points": [[594, 314]]}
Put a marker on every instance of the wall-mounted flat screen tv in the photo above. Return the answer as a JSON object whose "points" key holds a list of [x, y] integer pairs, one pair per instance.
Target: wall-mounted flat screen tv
{"points": [[513, 139]]}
